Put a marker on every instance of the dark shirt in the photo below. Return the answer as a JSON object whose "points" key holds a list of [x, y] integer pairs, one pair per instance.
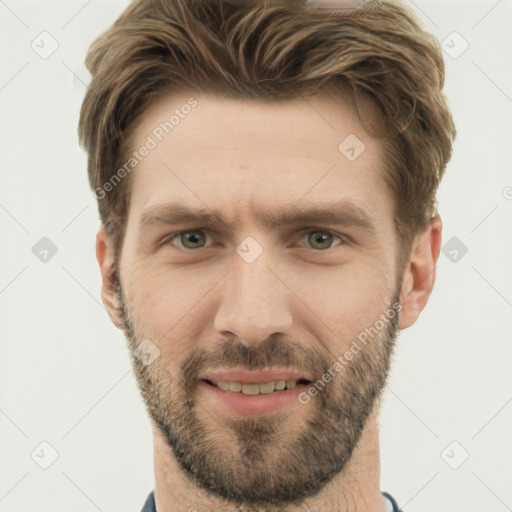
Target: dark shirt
{"points": [[149, 506]]}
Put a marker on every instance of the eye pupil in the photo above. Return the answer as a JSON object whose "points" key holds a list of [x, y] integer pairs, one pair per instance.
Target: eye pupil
{"points": [[193, 237], [320, 237]]}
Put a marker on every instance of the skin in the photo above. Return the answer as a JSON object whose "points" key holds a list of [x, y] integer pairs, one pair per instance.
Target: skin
{"points": [[242, 158]]}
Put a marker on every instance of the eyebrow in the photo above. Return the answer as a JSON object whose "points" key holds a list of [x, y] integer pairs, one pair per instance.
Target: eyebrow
{"points": [[340, 212]]}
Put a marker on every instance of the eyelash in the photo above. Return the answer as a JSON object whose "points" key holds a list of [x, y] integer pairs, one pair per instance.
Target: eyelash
{"points": [[168, 239]]}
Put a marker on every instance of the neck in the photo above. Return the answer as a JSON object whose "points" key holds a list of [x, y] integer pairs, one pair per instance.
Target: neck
{"points": [[355, 489]]}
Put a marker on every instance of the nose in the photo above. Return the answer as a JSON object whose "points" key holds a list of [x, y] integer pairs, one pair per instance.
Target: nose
{"points": [[254, 302]]}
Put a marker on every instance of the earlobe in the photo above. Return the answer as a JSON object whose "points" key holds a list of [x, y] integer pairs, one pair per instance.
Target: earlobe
{"points": [[420, 273], [109, 274]]}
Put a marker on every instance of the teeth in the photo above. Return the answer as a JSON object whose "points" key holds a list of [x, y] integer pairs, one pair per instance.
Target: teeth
{"points": [[255, 389], [280, 385], [267, 387], [235, 386], [290, 384], [250, 389], [223, 385]]}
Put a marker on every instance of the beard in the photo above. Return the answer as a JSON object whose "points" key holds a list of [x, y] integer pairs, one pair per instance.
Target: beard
{"points": [[270, 461]]}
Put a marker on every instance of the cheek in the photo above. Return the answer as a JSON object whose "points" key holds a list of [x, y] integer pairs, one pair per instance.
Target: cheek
{"points": [[346, 300], [166, 300]]}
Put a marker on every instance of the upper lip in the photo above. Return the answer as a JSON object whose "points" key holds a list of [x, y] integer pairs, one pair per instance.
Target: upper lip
{"points": [[253, 376]]}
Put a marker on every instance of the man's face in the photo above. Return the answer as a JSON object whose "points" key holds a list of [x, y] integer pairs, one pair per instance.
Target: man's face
{"points": [[247, 295]]}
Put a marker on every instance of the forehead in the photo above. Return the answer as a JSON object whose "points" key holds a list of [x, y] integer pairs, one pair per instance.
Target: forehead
{"points": [[239, 156]]}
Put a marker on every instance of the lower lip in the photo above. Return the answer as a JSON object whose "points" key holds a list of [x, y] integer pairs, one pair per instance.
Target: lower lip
{"points": [[253, 404]]}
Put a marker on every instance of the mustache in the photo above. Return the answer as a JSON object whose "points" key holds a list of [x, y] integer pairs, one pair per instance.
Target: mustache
{"points": [[271, 353]]}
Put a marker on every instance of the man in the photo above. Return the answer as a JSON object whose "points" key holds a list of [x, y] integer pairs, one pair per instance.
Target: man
{"points": [[266, 176]]}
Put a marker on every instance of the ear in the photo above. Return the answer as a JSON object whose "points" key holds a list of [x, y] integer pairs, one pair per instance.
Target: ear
{"points": [[109, 274], [420, 273]]}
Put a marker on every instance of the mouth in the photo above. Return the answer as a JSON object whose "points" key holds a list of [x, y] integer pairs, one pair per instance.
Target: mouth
{"points": [[257, 388], [247, 392], [252, 398]]}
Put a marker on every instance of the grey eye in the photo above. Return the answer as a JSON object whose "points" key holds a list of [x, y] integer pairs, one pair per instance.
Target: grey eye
{"points": [[320, 239], [192, 239]]}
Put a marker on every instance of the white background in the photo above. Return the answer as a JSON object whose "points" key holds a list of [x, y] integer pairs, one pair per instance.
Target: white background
{"points": [[65, 376]]}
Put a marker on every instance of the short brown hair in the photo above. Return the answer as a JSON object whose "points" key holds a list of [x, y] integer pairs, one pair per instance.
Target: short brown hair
{"points": [[272, 50]]}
